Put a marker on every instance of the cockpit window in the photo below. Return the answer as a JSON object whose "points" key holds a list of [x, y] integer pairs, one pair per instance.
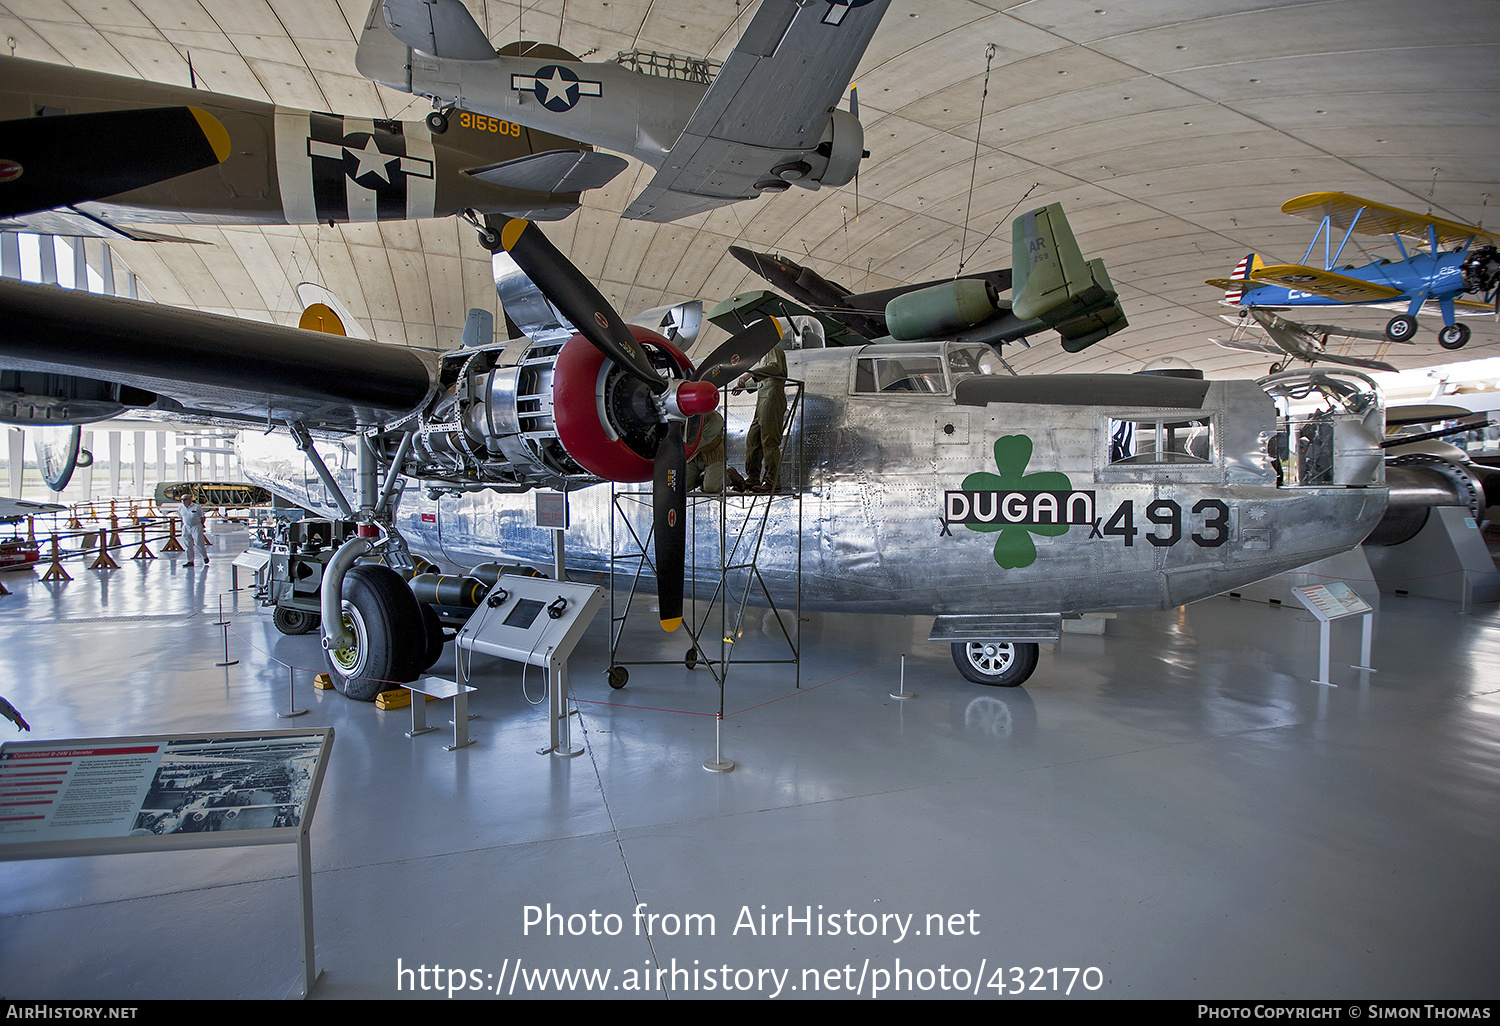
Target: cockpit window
{"points": [[967, 361], [900, 374]]}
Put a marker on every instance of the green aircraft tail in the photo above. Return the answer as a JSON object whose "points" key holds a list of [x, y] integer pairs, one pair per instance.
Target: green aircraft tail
{"points": [[1053, 283]]}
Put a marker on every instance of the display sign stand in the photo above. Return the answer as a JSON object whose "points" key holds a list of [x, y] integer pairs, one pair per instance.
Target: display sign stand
{"points": [[538, 622], [1334, 601], [167, 792]]}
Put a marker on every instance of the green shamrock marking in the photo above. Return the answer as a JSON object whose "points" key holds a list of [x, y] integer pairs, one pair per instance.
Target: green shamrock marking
{"points": [[1014, 548]]}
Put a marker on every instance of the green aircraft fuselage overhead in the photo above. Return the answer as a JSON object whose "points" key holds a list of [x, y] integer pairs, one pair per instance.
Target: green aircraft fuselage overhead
{"points": [[276, 165], [1052, 287]]}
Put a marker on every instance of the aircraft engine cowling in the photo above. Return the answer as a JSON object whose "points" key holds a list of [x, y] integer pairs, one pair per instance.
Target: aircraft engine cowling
{"points": [[940, 309], [837, 157], [605, 418]]}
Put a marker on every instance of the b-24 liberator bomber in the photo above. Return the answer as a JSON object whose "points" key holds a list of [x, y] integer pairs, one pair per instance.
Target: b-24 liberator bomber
{"points": [[930, 485], [85, 153]]}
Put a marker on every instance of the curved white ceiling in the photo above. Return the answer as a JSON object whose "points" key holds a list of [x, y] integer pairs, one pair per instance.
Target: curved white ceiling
{"points": [[1171, 130]]}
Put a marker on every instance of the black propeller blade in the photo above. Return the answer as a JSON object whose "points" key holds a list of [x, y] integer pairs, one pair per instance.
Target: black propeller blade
{"points": [[740, 353], [669, 511], [578, 300]]}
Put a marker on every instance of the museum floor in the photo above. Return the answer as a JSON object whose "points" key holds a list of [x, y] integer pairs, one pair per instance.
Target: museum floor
{"points": [[1173, 806]]}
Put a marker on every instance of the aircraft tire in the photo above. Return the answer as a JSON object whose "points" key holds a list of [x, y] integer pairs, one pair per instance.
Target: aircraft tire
{"points": [[292, 622], [1454, 336], [618, 677], [389, 636], [437, 122], [1401, 328], [435, 638], [1001, 664]]}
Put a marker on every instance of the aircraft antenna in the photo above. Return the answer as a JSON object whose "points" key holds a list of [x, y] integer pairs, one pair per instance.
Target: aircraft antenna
{"points": [[989, 57]]}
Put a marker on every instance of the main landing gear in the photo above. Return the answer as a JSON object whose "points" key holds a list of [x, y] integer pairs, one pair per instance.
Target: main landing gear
{"points": [[1454, 336], [391, 634], [1001, 664], [1403, 327]]}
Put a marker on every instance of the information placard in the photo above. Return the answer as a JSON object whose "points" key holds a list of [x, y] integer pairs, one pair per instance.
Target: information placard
{"points": [[102, 795]]}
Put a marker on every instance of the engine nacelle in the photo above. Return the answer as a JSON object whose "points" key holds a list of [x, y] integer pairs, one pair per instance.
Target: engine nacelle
{"points": [[561, 416], [941, 309], [836, 158]]}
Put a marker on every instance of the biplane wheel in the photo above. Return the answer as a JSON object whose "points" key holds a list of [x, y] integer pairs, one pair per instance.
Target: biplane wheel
{"points": [[1277, 368], [1001, 664], [437, 122], [1454, 336], [1401, 328], [691, 659], [294, 621], [618, 675], [385, 620]]}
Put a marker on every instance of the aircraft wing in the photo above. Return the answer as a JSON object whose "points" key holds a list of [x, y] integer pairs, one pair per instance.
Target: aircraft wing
{"points": [[1341, 209], [12, 510], [1249, 345], [76, 221], [769, 105], [1338, 287], [185, 362]]}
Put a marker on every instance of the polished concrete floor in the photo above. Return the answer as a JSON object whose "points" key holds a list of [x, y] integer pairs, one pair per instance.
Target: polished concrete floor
{"points": [[1172, 810]]}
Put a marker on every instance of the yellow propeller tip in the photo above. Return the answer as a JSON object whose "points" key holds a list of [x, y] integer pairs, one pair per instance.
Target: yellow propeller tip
{"points": [[512, 231], [672, 624]]}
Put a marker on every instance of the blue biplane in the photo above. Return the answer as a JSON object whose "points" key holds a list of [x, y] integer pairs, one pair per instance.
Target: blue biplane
{"points": [[1458, 259]]}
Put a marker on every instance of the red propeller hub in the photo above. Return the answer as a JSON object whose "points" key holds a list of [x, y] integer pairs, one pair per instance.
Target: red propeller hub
{"points": [[695, 398]]}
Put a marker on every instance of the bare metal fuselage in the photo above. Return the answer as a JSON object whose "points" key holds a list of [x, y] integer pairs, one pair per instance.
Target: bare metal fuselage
{"points": [[909, 506]]}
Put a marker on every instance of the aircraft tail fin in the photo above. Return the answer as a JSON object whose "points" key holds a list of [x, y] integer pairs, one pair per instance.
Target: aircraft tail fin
{"points": [[1052, 282], [1242, 271], [379, 55], [442, 28], [1098, 322]]}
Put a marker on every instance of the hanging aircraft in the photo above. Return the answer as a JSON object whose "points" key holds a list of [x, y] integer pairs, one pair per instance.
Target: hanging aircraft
{"points": [[1458, 259], [1054, 288], [768, 118], [929, 485], [84, 153], [1293, 341]]}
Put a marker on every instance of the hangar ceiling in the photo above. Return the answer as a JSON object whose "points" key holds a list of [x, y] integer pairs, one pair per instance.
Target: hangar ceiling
{"points": [[1171, 130]]}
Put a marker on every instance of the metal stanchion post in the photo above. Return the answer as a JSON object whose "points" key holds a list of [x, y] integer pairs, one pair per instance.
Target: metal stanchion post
{"points": [[903, 694], [223, 623], [291, 700], [718, 764]]}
